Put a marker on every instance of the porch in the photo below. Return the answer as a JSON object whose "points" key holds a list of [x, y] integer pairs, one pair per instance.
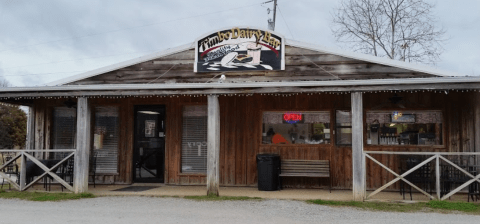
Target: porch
{"points": [[241, 137], [163, 190]]}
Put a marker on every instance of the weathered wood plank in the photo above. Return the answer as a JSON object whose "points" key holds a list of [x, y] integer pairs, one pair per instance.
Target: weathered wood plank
{"points": [[289, 50], [477, 124], [30, 143], [23, 172], [318, 59], [82, 154], [231, 141], [358, 159], [301, 64], [48, 130], [39, 128], [213, 146], [253, 139]]}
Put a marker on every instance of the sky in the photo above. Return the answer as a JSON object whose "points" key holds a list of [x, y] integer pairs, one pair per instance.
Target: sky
{"points": [[44, 41]]}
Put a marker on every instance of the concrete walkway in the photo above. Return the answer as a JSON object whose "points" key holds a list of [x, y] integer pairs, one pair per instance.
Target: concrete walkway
{"points": [[293, 194]]}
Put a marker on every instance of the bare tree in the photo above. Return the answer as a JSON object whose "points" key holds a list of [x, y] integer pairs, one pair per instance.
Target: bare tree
{"points": [[4, 82], [398, 29]]}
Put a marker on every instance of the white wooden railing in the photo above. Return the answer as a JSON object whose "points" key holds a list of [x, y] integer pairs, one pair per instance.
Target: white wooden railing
{"points": [[23, 155], [437, 156]]}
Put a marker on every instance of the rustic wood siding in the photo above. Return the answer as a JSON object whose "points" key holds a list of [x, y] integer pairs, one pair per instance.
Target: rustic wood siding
{"points": [[300, 64], [241, 119]]}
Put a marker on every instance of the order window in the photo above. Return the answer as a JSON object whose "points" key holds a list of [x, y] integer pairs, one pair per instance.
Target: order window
{"points": [[404, 128], [297, 127], [343, 127]]}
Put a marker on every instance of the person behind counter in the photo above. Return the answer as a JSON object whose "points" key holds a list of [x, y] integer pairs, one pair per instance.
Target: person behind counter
{"points": [[279, 139]]}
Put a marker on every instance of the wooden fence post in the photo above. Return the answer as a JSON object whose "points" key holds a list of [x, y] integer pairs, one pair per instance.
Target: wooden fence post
{"points": [[437, 176], [213, 146], [23, 172], [358, 160], [82, 155]]}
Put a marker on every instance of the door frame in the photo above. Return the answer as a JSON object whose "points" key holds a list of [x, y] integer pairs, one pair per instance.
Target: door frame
{"points": [[136, 108]]}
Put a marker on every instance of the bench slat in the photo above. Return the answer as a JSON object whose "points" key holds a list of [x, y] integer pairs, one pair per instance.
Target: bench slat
{"points": [[306, 168], [301, 160], [296, 170], [312, 170], [304, 175], [303, 165], [310, 163], [298, 166]]}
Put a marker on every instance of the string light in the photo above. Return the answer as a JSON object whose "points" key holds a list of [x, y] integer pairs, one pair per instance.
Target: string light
{"points": [[312, 93]]}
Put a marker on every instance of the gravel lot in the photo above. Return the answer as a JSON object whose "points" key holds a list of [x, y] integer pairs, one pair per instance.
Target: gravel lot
{"points": [[139, 210]]}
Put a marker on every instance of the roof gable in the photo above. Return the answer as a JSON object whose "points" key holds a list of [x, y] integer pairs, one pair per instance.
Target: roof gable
{"points": [[303, 62]]}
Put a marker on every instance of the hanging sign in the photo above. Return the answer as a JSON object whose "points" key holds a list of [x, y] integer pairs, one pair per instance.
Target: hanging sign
{"points": [[239, 49]]}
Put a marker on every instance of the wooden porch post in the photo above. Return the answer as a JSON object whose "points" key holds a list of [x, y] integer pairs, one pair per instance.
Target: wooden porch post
{"points": [[30, 128], [30, 144], [358, 161], [213, 146], [477, 126], [39, 131], [80, 180]]}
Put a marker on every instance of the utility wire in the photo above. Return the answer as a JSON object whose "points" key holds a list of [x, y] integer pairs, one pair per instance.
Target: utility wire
{"points": [[162, 74], [301, 53], [128, 28]]}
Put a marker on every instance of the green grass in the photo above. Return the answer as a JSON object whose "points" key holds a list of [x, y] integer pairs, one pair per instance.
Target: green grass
{"points": [[432, 206], [221, 198], [43, 196], [457, 206]]}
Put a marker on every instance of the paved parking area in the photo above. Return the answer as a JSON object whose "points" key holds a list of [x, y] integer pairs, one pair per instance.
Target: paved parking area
{"points": [[134, 209]]}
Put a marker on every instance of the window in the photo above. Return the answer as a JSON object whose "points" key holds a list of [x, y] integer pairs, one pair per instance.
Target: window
{"points": [[64, 129], [343, 127], [404, 128], [105, 139], [194, 139], [296, 127]]}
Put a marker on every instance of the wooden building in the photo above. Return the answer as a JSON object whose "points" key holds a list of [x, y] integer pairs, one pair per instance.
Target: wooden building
{"points": [[200, 114]]}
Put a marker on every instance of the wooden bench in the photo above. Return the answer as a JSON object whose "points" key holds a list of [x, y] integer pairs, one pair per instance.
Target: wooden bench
{"points": [[306, 168]]}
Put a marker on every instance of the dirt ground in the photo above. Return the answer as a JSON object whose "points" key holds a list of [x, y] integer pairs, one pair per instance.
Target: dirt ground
{"points": [[133, 209]]}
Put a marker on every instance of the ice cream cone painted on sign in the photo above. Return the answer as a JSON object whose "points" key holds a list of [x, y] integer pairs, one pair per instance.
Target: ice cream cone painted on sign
{"points": [[255, 51]]}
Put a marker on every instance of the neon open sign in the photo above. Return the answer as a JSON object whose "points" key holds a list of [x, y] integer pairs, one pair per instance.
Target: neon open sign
{"points": [[293, 118]]}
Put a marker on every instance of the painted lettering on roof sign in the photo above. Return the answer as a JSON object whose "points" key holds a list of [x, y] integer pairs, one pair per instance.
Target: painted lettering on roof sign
{"points": [[240, 49]]}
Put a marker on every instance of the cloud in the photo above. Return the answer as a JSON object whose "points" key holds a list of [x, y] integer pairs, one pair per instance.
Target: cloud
{"points": [[92, 28]]}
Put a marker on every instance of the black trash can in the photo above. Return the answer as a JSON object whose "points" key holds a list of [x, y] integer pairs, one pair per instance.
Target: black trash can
{"points": [[268, 166]]}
